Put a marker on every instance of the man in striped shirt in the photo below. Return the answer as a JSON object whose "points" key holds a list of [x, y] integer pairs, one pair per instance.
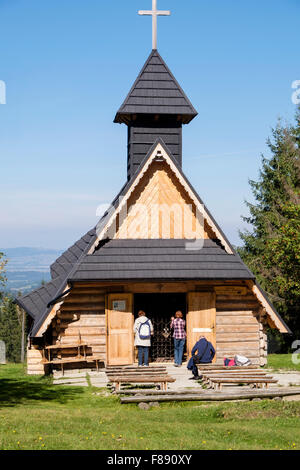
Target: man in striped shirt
{"points": [[178, 323]]}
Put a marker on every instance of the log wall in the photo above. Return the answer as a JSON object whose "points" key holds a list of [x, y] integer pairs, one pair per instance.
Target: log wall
{"points": [[238, 329], [240, 320], [82, 313], [34, 358]]}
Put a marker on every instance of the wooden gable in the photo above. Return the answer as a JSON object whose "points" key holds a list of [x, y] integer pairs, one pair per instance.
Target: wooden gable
{"points": [[159, 179], [160, 207]]}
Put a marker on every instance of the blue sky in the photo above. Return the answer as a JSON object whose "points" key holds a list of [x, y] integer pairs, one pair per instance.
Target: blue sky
{"points": [[68, 65]]}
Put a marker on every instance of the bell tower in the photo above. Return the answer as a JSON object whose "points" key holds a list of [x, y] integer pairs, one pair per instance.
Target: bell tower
{"points": [[156, 106]]}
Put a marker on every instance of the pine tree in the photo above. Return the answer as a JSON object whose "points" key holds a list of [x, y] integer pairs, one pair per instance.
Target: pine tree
{"points": [[10, 320], [11, 329], [272, 249]]}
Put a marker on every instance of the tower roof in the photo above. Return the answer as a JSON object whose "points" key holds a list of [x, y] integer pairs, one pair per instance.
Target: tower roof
{"points": [[156, 92]]}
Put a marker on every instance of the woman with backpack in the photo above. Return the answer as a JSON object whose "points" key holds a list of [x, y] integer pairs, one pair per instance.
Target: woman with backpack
{"points": [[143, 330]]}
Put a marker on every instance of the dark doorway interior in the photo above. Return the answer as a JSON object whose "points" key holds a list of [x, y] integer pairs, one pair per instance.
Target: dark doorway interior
{"points": [[160, 308]]}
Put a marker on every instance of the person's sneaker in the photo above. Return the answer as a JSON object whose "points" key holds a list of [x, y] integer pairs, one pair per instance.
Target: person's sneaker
{"points": [[176, 365], [194, 378]]}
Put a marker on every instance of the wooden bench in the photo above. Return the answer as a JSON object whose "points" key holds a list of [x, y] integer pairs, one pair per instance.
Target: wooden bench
{"points": [[81, 354], [211, 367], [136, 373], [71, 360], [218, 382], [207, 375], [236, 371], [130, 379], [207, 378], [112, 370]]}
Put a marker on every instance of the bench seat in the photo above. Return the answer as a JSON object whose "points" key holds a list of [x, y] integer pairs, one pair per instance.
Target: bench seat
{"points": [[71, 360], [217, 382], [162, 379], [215, 367]]}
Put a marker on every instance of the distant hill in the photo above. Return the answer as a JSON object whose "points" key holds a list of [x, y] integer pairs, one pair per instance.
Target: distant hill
{"points": [[28, 267]]}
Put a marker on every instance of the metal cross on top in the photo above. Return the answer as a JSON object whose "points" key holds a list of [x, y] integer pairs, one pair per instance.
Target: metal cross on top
{"points": [[154, 13]]}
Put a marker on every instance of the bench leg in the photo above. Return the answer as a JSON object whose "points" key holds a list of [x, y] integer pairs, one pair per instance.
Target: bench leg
{"points": [[117, 386]]}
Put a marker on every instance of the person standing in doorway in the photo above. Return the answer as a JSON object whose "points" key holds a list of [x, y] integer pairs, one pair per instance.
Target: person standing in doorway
{"points": [[143, 330], [179, 335]]}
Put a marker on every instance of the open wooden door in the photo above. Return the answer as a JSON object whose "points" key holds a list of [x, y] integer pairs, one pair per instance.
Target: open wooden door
{"points": [[201, 319], [119, 321]]}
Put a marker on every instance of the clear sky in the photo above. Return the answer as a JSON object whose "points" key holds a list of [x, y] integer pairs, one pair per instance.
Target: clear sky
{"points": [[68, 65]]}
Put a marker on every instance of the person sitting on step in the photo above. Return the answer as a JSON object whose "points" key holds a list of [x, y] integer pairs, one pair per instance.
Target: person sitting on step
{"points": [[202, 353]]}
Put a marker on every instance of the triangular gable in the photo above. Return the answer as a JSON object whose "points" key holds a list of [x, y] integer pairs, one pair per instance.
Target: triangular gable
{"points": [[159, 152], [156, 91]]}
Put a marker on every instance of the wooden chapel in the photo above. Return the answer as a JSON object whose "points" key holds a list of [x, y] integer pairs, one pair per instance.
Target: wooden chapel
{"points": [[157, 249]]}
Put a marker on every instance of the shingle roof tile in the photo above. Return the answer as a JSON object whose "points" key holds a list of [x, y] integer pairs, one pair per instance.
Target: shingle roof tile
{"points": [[160, 259], [156, 91]]}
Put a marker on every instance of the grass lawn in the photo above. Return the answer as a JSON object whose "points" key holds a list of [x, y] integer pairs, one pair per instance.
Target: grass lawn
{"points": [[36, 415], [283, 361]]}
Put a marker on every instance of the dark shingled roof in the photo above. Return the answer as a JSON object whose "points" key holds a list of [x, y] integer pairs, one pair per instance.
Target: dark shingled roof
{"points": [[156, 91], [63, 265], [159, 259], [35, 303]]}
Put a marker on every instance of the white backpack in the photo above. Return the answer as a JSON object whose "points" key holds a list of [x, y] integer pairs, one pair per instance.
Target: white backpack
{"points": [[242, 360], [145, 330]]}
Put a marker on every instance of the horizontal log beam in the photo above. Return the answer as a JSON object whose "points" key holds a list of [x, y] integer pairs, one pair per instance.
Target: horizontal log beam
{"points": [[213, 396]]}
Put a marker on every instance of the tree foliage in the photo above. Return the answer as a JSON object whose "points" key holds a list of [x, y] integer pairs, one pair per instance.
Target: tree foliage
{"points": [[10, 319], [3, 262], [272, 248], [11, 329]]}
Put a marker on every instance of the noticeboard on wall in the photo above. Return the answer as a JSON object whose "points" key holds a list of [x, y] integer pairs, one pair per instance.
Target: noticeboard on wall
{"points": [[119, 305]]}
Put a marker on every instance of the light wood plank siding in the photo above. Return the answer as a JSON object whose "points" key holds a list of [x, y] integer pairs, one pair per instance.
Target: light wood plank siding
{"points": [[238, 328], [161, 208], [83, 312], [34, 358]]}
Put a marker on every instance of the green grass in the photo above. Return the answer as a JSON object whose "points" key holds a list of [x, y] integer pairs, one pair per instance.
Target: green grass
{"points": [[283, 361], [36, 415]]}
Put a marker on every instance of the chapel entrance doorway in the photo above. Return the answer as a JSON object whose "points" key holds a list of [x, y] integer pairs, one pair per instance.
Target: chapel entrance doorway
{"points": [[160, 308]]}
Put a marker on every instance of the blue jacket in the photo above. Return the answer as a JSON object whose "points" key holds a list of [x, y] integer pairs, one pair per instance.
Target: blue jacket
{"points": [[203, 351]]}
